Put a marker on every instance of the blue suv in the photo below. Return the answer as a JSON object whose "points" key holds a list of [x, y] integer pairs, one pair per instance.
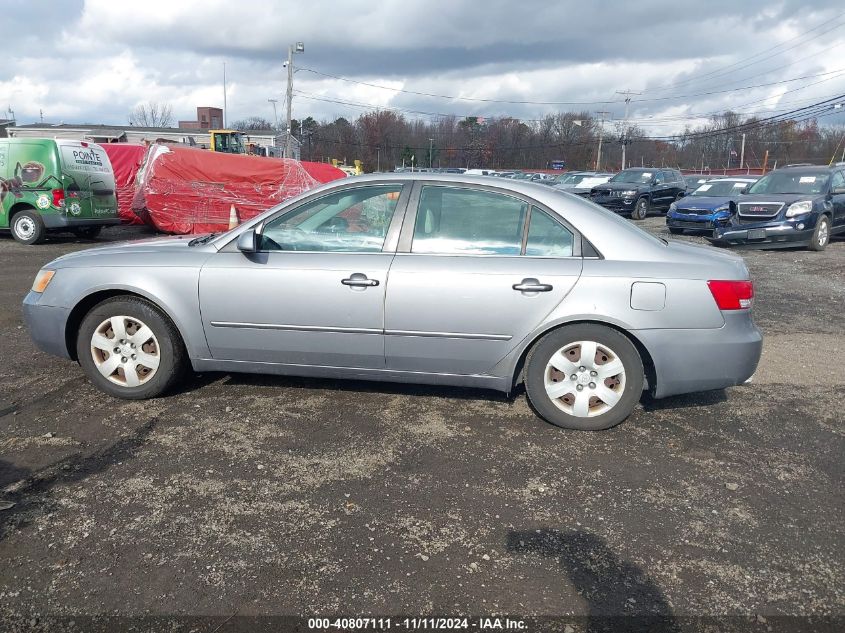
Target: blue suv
{"points": [[711, 204], [797, 205]]}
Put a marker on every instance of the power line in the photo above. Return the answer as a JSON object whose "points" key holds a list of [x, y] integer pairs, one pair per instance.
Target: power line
{"points": [[605, 102], [739, 64]]}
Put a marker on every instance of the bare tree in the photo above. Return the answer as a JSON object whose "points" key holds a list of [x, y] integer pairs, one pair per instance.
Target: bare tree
{"points": [[253, 123], [152, 114]]}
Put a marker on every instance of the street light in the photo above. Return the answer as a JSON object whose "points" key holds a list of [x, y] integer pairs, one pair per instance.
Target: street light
{"points": [[299, 47]]}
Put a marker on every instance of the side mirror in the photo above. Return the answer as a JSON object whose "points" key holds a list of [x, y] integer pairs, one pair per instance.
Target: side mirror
{"points": [[248, 241], [682, 194], [743, 190]]}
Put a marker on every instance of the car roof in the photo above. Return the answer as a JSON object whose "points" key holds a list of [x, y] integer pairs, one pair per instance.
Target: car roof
{"points": [[807, 168]]}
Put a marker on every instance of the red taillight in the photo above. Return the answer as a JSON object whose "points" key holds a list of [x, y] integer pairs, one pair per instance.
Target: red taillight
{"points": [[732, 295], [58, 197]]}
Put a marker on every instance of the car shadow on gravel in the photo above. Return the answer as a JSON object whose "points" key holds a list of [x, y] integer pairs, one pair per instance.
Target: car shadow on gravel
{"points": [[619, 594], [684, 401]]}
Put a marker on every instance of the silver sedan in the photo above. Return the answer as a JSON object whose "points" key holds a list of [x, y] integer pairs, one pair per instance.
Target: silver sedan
{"points": [[423, 278]]}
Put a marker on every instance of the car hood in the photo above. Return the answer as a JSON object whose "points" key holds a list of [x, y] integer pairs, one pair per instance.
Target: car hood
{"points": [[619, 186], [787, 198], [709, 203], [131, 250]]}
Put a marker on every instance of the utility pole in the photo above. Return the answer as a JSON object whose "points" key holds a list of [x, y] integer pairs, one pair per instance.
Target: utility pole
{"points": [[378, 160], [742, 152], [275, 116], [625, 139], [299, 47], [224, 95], [430, 152], [602, 114]]}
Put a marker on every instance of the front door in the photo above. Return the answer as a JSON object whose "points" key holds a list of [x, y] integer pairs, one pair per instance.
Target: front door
{"points": [[479, 271], [837, 183], [314, 293]]}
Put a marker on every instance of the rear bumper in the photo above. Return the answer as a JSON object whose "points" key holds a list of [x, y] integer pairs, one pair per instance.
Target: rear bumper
{"points": [[60, 221], [46, 325], [686, 361]]}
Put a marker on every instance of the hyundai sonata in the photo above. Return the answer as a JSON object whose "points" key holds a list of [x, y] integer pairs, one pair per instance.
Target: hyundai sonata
{"points": [[422, 278]]}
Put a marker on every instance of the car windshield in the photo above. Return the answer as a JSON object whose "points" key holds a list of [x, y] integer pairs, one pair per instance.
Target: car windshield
{"points": [[719, 188], [792, 182], [567, 179], [633, 176]]}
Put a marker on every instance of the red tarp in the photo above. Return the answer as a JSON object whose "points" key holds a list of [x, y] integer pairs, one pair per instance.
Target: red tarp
{"points": [[125, 160], [186, 190]]}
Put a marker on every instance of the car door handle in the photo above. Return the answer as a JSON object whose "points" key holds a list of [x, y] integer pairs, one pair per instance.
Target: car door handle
{"points": [[532, 285], [359, 280]]}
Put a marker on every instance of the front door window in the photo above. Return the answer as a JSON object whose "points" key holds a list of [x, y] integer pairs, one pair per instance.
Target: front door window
{"points": [[352, 220]]}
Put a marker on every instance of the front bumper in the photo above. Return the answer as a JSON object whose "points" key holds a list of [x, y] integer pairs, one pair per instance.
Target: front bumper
{"points": [[769, 234], [686, 361], [615, 203], [46, 325], [695, 222]]}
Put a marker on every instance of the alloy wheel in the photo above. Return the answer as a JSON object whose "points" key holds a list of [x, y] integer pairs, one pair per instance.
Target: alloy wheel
{"points": [[125, 351], [824, 234], [584, 379]]}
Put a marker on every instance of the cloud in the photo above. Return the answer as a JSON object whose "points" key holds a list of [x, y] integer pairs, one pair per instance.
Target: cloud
{"points": [[93, 61]]}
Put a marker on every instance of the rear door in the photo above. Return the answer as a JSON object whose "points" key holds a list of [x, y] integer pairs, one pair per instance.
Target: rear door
{"points": [[88, 181], [477, 269]]}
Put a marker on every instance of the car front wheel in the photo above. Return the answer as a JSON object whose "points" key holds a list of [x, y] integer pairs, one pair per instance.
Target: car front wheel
{"points": [[584, 376], [130, 349], [821, 236], [640, 209]]}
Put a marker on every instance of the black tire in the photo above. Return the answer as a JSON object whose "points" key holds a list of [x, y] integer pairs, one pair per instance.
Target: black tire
{"points": [[675, 231], [87, 232], [605, 337], [170, 350], [28, 227], [821, 236], [641, 209]]}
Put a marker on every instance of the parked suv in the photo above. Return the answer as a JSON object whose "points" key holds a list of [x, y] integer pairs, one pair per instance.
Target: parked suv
{"points": [[800, 205], [639, 191]]}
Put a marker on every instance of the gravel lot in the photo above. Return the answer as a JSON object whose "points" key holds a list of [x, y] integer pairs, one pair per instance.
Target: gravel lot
{"points": [[248, 495]]}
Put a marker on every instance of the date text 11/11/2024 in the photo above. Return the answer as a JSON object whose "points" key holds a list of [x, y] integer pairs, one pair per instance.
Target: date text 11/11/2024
{"points": [[417, 624]]}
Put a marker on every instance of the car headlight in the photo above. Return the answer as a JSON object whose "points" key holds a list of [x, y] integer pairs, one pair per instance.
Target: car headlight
{"points": [[724, 207], [42, 279], [673, 207], [799, 208], [630, 192]]}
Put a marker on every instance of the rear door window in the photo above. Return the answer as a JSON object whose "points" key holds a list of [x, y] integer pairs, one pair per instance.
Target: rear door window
{"points": [[547, 237], [456, 221]]}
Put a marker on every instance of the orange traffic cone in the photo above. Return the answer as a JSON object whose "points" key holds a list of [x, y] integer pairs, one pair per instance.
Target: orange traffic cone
{"points": [[234, 220]]}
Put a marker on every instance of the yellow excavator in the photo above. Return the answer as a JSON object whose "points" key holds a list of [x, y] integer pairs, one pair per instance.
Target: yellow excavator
{"points": [[227, 141]]}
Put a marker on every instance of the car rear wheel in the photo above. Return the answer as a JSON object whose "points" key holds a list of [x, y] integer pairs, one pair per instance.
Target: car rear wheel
{"points": [[584, 376], [130, 349], [821, 236], [641, 209], [28, 227]]}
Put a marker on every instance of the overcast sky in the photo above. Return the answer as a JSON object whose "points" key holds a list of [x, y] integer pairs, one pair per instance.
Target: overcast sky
{"points": [[94, 60]]}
